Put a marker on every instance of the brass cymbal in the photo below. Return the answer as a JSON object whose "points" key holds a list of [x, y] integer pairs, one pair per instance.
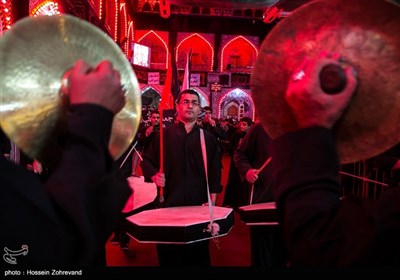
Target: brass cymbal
{"points": [[35, 54], [367, 36]]}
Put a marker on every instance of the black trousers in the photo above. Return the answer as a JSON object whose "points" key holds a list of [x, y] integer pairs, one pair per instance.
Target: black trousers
{"points": [[193, 254]]}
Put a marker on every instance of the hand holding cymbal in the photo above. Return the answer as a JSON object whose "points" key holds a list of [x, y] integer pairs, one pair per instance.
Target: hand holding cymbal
{"points": [[367, 37], [310, 103], [100, 85], [37, 55]]}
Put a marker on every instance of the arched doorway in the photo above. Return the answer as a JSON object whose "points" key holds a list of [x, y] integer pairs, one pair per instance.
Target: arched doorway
{"points": [[204, 99], [236, 104], [150, 98]]}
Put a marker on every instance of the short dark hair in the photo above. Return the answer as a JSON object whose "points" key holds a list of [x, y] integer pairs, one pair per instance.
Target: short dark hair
{"points": [[154, 111], [247, 120], [207, 108], [187, 91]]}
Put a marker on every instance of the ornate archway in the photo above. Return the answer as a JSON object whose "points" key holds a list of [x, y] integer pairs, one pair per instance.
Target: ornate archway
{"points": [[239, 54], [236, 104], [150, 97]]}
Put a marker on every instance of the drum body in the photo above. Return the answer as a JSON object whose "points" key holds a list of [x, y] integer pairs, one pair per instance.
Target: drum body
{"points": [[178, 225], [143, 195], [259, 214]]}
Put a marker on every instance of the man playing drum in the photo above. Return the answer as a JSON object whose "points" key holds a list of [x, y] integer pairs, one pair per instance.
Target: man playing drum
{"points": [[182, 181]]}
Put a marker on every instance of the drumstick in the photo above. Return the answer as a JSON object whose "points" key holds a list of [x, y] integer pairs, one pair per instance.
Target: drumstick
{"points": [[264, 165], [251, 194], [258, 172], [138, 154], [133, 147]]}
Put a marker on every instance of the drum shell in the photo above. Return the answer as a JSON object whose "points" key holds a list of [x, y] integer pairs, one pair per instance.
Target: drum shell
{"points": [[259, 214], [158, 229]]}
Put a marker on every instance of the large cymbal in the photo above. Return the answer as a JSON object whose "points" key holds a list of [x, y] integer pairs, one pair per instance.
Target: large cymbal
{"points": [[367, 35], [35, 53]]}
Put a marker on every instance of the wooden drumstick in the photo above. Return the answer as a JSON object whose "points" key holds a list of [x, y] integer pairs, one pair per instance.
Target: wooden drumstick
{"points": [[258, 172], [264, 165]]}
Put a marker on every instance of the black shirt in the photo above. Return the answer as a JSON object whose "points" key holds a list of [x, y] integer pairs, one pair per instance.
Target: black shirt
{"points": [[183, 165]]}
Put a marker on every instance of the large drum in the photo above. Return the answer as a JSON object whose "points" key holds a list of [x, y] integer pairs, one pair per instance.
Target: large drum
{"points": [[142, 197], [259, 214], [178, 225]]}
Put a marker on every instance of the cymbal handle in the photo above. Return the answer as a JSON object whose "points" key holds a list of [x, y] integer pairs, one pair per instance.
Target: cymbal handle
{"points": [[332, 79]]}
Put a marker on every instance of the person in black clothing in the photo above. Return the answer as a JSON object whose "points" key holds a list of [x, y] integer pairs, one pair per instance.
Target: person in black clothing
{"points": [[150, 129], [183, 180], [209, 124], [137, 150], [120, 237], [66, 221], [20, 158], [228, 128], [145, 135], [234, 191], [266, 243], [320, 229]]}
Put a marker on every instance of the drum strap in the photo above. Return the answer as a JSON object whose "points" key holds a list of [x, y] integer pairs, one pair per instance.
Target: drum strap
{"points": [[210, 205], [204, 152]]}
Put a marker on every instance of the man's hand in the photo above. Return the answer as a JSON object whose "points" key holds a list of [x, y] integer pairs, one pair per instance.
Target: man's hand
{"points": [[213, 197], [211, 122], [100, 86], [159, 179], [252, 175], [310, 105], [37, 166], [149, 130]]}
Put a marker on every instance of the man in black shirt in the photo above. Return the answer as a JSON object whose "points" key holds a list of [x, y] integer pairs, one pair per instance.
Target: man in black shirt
{"points": [[183, 180], [266, 243]]}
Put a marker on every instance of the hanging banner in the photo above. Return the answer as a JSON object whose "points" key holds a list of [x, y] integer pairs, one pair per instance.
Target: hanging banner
{"points": [[168, 117], [153, 78], [194, 79]]}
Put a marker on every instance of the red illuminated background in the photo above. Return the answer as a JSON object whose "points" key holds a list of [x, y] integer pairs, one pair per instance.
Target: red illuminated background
{"points": [[223, 40]]}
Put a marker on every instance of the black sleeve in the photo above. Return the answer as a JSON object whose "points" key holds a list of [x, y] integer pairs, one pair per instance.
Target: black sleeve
{"points": [[241, 155], [214, 163], [86, 187], [151, 158], [141, 136], [220, 133], [305, 173], [320, 228]]}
